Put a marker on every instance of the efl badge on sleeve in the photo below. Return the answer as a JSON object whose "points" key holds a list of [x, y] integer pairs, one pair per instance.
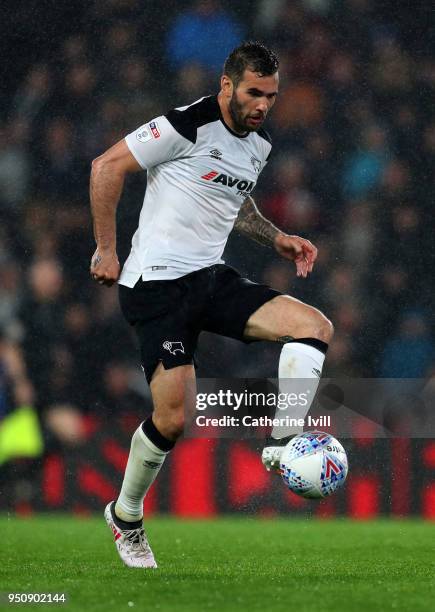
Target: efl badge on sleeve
{"points": [[154, 129]]}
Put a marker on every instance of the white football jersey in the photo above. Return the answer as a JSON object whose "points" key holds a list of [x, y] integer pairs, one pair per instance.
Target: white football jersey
{"points": [[199, 173]]}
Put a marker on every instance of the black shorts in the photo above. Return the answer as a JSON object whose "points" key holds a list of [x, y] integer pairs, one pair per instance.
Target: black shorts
{"points": [[169, 315]]}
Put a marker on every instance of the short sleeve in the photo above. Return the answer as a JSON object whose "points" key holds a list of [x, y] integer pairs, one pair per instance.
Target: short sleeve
{"points": [[156, 142]]}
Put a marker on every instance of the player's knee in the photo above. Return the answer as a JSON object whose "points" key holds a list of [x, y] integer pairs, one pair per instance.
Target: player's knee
{"points": [[170, 423], [315, 325], [322, 327], [174, 421], [175, 425]]}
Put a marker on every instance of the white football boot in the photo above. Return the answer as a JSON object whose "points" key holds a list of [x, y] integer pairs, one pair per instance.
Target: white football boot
{"points": [[132, 544], [271, 456]]}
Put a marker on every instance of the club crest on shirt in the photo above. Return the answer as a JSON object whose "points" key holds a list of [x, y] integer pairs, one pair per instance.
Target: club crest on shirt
{"points": [[256, 163]]}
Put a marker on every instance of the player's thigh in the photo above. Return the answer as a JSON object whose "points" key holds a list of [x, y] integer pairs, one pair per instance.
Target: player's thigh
{"points": [[160, 316], [233, 302], [173, 391], [285, 316]]}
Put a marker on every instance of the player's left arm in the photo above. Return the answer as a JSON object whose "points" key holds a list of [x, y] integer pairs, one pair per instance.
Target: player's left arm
{"points": [[252, 223]]}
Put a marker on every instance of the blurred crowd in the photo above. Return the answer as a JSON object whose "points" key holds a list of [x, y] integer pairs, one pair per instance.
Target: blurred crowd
{"points": [[352, 169]]}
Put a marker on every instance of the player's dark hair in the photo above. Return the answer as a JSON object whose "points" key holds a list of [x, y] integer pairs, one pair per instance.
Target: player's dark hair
{"points": [[251, 55]]}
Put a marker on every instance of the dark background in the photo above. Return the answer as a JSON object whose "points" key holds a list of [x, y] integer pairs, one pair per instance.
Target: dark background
{"points": [[353, 169]]}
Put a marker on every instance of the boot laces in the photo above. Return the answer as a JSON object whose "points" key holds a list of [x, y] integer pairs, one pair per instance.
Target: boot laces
{"points": [[136, 541]]}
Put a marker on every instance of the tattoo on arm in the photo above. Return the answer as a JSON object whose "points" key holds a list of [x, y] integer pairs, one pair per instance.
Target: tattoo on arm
{"points": [[252, 223]]}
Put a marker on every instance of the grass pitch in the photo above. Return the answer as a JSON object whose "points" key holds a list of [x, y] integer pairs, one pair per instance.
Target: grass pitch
{"points": [[230, 564]]}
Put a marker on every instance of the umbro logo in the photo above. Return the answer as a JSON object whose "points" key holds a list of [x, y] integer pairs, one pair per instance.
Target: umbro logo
{"points": [[216, 153], [316, 372], [153, 465]]}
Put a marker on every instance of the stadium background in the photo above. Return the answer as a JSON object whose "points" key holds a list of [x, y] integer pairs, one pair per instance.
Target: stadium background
{"points": [[353, 169]]}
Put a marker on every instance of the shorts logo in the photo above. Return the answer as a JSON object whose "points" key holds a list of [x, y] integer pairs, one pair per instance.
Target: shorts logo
{"points": [[173, 347], [154, 129], [143, 134]]}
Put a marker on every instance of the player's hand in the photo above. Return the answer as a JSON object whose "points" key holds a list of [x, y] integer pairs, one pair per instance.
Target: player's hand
{"points": [[299, 250], [105, 268]]}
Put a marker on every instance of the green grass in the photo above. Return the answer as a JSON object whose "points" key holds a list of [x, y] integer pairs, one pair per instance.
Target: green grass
{"points": [[233, 564]]}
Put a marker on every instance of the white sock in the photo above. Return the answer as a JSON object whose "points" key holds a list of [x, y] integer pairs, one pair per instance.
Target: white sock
{"points": [[144, 463], [297, 363]]}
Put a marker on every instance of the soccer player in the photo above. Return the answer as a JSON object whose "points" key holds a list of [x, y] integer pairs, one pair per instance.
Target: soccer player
{"points": [[203, 161]]}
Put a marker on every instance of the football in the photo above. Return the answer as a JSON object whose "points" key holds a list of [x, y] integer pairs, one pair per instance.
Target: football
{"points": [[314, 464]]}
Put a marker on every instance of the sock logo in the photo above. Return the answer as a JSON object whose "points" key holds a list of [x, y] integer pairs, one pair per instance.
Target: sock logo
{"points": [[173, 347], [153, 465], [316, 372]]}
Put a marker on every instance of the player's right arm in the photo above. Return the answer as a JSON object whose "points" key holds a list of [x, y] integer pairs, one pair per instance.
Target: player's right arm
{"points": [[107, 181], [153, 143]]}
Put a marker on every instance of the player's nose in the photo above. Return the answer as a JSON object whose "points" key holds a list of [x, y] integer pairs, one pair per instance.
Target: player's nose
{"points": [[262, 107]]}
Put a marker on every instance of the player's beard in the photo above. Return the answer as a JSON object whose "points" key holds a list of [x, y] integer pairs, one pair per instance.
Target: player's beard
{"points": [[239, 117]]}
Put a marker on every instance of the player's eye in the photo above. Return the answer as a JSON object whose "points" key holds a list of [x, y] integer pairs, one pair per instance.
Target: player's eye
{"points": [[255, 93]]}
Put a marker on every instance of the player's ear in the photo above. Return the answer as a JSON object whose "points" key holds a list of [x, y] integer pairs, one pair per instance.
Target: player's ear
{"points": [[227, 86]]}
